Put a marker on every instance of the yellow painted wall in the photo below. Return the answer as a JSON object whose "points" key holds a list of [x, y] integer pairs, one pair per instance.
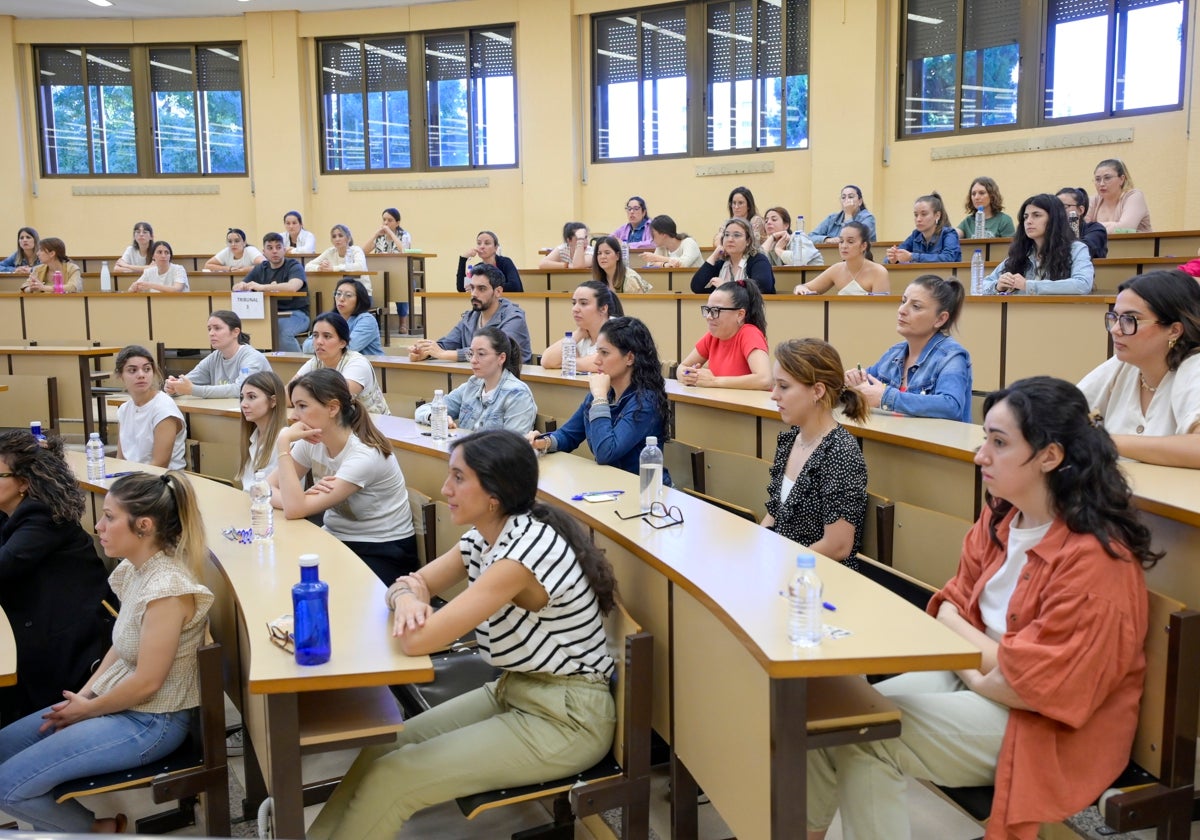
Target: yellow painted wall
{"points": [[852, 115]]}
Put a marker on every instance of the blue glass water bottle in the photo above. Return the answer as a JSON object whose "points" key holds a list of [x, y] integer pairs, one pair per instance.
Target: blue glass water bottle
{"points": [[310, 608]]}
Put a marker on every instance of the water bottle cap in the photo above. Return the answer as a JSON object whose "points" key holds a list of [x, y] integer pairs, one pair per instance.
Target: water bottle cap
{"points": [[806, 561], [259, 475], [979, 209], [570, 334], [437, 393], [308, 560], [979, 251], [652, 441], [94, 436]]}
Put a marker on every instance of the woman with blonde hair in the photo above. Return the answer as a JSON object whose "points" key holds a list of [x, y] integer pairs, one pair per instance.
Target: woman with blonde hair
{"points": [[264, 413], [1118, 206], [736, 257]]}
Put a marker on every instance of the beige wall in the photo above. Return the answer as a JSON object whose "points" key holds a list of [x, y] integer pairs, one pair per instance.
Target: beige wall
{"points": [[852, 114]]}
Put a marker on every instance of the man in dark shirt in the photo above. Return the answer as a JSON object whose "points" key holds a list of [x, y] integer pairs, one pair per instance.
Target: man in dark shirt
{"points": [[280, 273]]}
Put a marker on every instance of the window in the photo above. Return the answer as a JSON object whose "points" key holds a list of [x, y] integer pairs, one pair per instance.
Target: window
{"points": [[141, 110], [748, 57], [962, 62], [464, 84]]}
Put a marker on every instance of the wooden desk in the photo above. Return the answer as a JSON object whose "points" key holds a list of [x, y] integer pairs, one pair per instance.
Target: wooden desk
{"points": [[253, 586], [67, 364]]}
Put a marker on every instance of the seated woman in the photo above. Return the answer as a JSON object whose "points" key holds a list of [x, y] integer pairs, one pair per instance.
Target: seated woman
{"points": [[933, 240], [342, 255], [672, 249], [353, 303], [1118, 206], [778, 242], [856, 274], [636, 231], [139, 254], [297, 240], [1044, 258], [592, 304], [609, 268], [573, 252], [264, 413], [854, 209], [52, 256], [152, 430], [236, 256], [818, 490], [735, 346], [736, 257], [1050, 588], [627, 402], [162, 275], [1092, 234], [220, 374], [741, 206], [985, 193], [51, 581], [535, 580], [22, 260], [138, 705], [487, 249], [929, 373], [357, 481], [331, 349], [1149, 391], [390, 238], [494, 397]]}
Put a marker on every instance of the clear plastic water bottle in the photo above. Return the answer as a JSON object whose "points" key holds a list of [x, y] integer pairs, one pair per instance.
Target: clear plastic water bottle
{"points": [[105, 278], [35, 429], [437, 416], [800, 225], [797, 247], [805, 626], [58, 283], [568, 354], [262, 515], [95, 457], [977, 272], [980, 224], [310, 613], [625, 253], [1073, 221], [650, 473]]}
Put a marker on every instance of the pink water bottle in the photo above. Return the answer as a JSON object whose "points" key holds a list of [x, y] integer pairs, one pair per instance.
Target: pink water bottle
{"points": [[58, 283]]}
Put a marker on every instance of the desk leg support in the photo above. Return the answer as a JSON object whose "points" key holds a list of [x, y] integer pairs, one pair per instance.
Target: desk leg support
{"points": [[684, 793], [789, 758], [86, 396], [256, 785], [283, 763]]}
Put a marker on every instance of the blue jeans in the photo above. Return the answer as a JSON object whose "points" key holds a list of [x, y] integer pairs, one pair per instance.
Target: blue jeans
{"points": [[291, 323], [33, 763]]}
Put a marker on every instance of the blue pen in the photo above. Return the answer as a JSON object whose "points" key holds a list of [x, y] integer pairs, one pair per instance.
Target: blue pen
{"points": [[579, 497], [119, 474], [829, 606]]}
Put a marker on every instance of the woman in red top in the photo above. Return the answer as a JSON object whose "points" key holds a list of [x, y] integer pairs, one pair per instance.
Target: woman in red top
{"points": [[735, 346], [1050, 587]]}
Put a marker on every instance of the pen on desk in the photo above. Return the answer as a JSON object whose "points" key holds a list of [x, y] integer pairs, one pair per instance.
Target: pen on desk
{"points": [[119, 474], [829, 606], [543, 437], [578, 497]]}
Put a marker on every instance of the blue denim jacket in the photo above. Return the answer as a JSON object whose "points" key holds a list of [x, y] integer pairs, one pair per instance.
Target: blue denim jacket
{"points": [[511, 406], [944, 248], [616, 433], [939, 384]]}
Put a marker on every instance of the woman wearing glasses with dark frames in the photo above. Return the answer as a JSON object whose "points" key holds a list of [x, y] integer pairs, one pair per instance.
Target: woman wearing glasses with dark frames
{"points": [[353, 302], [736, 257], [1118, 206], [1149, 391], [733, 353]]}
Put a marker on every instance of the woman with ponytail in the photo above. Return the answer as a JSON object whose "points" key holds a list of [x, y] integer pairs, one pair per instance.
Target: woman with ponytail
{"points": [[494, 397], [818, 490], [1050, 588], [138, 705], [357, 482], [536, 590], [733, 353]]}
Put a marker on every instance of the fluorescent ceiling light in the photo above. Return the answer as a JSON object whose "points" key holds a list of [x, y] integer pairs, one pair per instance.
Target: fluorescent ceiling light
{"points": [[617, 56], [495, 36], [103, 3], [732, 35], [668, 32], [223, 53], [440, 54], [923, 19], [335, 71], [170, 67]]}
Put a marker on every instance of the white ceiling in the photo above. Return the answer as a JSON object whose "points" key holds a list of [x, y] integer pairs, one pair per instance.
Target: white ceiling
{"points": [[182, 8]]}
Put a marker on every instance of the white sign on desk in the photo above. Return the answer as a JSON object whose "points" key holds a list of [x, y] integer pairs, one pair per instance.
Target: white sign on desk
{"points": [[248, 305]]}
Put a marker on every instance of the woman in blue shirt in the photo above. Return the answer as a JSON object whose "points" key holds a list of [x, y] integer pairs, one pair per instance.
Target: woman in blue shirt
{"points": [[934, 239], [854, 209], [929, 373], [353, 302], [1045, 258], [494, 397], [25, 257], [627, 403]]}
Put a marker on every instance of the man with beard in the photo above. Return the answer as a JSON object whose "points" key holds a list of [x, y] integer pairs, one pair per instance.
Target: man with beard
{"points": [[489, 308]]}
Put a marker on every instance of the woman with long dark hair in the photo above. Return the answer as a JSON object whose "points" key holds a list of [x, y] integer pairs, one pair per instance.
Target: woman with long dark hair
{"points": [[220, 374], [331, 349], [353, 302], [1050, 588], [1045, 257], [140, 253], [1093, 234], [487, 250], [536, 590], [733, 352], [22, 260], [856, 274], [608, 266], [592, 304]]}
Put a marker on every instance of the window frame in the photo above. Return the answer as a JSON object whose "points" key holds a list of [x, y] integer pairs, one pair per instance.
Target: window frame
{"points": [[143, 110]]}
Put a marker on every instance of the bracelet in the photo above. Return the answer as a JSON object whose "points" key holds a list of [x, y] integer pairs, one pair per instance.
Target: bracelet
{"points": [[393, 594], [600, 401], [287, 454]]}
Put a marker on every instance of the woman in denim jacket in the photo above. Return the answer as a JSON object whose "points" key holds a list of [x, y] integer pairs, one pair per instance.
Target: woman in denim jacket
{"points": [[494, 397], [929, 373]]}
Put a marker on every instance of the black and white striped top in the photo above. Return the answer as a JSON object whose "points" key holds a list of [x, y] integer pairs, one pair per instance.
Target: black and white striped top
{"points": [[564, 637]]}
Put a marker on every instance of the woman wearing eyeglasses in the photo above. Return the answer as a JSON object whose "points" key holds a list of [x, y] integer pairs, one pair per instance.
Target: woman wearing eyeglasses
{"points": [[636, 230], [733, 353], [1118, 206], [736, 257], [627, 402], [1044, 258], [353, 302], [494, 397], [1149, 391]]}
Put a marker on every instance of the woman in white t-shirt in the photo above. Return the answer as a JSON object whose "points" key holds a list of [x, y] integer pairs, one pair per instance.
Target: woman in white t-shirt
{"points": [[573, 252], [1149, 391], [331, 349], [357, 481], [592, 304], [342, 255], [162, 275], [139, 254], [151, 425], [236, 255], [264, 413]]}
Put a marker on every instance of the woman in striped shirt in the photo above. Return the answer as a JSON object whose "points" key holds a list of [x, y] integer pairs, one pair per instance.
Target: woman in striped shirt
{"points": [[536, 591]]}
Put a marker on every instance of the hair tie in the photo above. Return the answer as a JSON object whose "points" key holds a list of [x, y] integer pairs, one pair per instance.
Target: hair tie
{"points": [[165, 479], [741, 282], [1095, 419]]}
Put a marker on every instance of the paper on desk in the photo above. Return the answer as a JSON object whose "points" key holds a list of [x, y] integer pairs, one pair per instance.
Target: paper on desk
{"points": [[248, 305]]}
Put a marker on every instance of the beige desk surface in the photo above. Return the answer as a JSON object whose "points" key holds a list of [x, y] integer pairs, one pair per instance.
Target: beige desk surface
{"points": [[364, 652], [56, 350], [8, 652]]}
